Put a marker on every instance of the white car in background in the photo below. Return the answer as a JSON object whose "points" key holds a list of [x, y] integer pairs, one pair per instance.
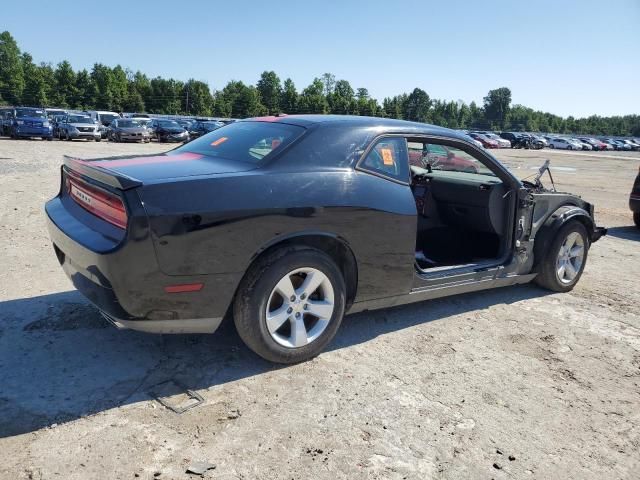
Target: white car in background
{"points": [[565, 144], [583, 145], [502, 142]]}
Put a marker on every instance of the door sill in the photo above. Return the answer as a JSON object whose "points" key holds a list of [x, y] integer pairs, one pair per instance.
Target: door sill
{"points": [[445, 271]]}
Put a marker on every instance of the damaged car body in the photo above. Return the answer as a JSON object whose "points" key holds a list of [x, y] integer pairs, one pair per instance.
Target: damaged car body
{"points": [[288, 223]]}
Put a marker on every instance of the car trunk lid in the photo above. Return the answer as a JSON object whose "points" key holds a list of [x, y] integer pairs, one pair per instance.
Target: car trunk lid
{"points": [[130, 172]]}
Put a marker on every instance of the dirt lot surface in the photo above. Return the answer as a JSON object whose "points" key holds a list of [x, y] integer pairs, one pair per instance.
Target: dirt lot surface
{"points": [[510, 383]]}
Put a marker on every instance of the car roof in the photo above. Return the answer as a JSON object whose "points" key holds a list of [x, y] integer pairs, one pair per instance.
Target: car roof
{"points": [[387, 124]]}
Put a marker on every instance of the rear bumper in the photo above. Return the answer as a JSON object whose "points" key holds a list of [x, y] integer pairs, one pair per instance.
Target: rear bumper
{"points": [[634, 202], [123, 281]]}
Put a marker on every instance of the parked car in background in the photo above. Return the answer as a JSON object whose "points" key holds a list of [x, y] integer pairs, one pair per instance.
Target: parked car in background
{"points": [[544, 141], [6, 116], [632, 145], [439, 157], [583, 145], [79, 127], [199, 128], [168, 131], [185, 123], [618, 145], [56, 121], [103, 117], [53, 112], [512, 137], [27, 122], [595, 143], [502, 142], [565, 144], [634, 200], [484, 140], [287, 223], [128, 130]]}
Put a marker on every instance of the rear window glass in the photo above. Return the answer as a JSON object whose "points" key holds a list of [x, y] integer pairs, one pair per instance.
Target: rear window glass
{"points": [[249, 142]]}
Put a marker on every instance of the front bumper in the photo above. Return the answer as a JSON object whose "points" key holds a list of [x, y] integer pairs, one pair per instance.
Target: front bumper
{"points": [[598, 233], [133, 137], [26, 131], [174, 137], [634, 202], [86, 135]]}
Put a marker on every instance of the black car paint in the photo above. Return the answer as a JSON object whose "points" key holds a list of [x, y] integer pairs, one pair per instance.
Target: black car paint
{"points": [[208, 220], [634, 198]]}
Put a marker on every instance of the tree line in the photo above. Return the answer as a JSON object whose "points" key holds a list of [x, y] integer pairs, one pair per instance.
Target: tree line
{"points": [[23, 82]]}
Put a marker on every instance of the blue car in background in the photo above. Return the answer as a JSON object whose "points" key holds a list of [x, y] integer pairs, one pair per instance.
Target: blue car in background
{"points": [[30, 122]]}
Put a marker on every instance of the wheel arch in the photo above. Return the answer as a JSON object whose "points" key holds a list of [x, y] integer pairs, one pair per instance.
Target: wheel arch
{"points": [[333, 245], [560, 217]]}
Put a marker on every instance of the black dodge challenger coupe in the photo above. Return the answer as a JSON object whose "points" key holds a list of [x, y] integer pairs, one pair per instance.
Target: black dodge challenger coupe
{"points": [[289, 222]]}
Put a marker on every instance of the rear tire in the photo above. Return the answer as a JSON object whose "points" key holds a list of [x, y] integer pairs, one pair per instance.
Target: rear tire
{"points": [[565, 259], [260, 294], [636, 219]]}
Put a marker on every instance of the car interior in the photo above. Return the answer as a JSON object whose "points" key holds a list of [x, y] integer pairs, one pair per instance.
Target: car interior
{"points": [[462, 207]]}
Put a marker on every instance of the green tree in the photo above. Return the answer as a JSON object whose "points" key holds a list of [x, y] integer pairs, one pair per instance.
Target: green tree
{"points": [[240, 101], [198, 99], [35, 87], [270, 90], [417, 106], [342, 99], [84, 98], [119, 88], [12, 82], [329, 82], [289, 99], [496, 106], [312, 99], [102, 80], [65, 81]]}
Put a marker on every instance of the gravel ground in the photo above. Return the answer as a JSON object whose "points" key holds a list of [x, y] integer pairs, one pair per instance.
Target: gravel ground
{"points": [[509, 383]]}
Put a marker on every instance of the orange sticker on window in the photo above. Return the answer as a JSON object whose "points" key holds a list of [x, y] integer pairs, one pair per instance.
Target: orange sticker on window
{"points": [[218, 141], [387, 156]]}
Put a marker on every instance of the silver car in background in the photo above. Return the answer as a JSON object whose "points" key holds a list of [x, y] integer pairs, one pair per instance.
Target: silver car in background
{"points": [[76, 126]]}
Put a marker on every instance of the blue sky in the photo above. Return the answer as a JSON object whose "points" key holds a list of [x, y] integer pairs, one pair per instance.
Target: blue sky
{"points": [[567, 57]]}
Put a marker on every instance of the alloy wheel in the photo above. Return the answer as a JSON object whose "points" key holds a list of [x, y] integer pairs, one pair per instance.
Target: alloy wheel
{"points": [[300, 307], [570, 258]]}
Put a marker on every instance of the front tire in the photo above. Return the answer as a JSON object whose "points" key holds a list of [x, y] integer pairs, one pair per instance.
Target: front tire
{"points": [[290, 304], [565, 259]]}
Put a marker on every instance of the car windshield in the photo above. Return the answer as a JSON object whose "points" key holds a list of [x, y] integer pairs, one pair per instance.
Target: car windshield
{"points": [[248, 142], [168, 124], [29, 112], [107, 118], [128, 123], [79, 119]]}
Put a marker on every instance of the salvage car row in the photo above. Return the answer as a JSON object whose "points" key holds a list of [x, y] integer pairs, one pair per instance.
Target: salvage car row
{"points": [[29, 122], [537, 141]]}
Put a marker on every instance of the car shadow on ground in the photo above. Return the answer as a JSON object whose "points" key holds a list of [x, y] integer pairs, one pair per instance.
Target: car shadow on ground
{"points": [[59, 360], [626, 233]]}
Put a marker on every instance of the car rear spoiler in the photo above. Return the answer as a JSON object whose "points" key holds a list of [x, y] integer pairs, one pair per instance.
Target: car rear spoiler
{"points": [[102, 175]]}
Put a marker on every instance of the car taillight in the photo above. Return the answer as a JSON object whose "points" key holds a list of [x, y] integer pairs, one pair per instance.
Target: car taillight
{"points": [[101, 203]]}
